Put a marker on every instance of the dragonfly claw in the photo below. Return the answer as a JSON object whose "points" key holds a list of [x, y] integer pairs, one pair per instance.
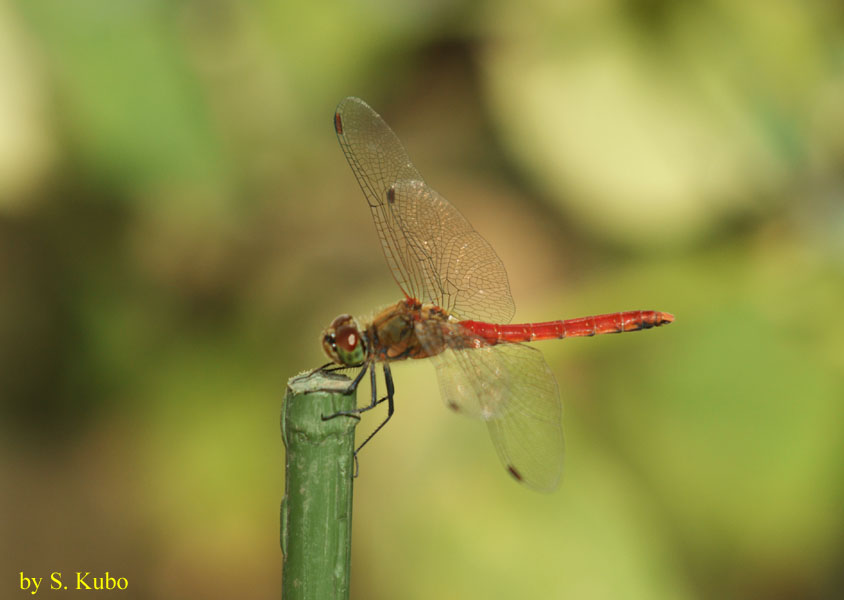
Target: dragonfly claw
{"points": [[342, 413]]}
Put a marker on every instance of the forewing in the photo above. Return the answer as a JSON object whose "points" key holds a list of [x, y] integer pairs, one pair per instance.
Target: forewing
{"points": [[433, 252], [457, 268]]}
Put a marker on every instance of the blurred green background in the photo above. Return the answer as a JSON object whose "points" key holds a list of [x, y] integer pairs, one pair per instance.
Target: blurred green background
{"points": [[178, 224]]}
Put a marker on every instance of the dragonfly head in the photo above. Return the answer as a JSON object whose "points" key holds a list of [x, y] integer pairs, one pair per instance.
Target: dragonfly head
{"points": [[344, 343]]}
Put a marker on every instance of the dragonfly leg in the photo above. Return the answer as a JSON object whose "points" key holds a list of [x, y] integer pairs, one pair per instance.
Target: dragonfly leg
{"points": [[375, 401], [355, 414], [388, 380], [324, 367], [354, 385]]}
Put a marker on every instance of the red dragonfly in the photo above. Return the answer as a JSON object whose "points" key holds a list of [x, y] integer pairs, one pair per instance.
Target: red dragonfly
{"points": [[455, 311]]}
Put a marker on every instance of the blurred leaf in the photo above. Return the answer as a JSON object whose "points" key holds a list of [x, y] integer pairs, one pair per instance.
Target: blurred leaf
{"points": [[127, 92], [659, 134], [26, 148]]}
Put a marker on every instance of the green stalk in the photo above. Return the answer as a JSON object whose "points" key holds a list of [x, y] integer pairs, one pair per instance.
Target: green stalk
{"points": [[316, 512]]}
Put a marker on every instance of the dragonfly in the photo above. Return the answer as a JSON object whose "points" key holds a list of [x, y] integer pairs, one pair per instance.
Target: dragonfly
{"points": [[456, 311]]}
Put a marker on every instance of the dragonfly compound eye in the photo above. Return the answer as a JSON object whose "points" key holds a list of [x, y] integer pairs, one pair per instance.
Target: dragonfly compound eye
{"points": [[347, 337], [343, 342], [351, 347]]}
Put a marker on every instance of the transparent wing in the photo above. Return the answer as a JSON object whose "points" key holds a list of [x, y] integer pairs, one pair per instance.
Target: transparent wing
{"points": [[512, 389], [433, 252]]}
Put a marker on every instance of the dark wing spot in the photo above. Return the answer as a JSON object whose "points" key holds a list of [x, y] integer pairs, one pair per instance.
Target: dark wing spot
{"points": [[338, 124], [391, 195], [453, 406], [514, 472]]}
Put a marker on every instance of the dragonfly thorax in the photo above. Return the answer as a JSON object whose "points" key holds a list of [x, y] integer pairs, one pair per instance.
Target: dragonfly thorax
{"points": [[344, 343]]}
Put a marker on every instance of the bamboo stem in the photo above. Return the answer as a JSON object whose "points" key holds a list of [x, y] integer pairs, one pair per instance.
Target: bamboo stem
{"points": [[316, 512]]}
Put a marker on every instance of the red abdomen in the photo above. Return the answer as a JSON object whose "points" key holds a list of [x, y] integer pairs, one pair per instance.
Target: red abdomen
{"points": [[633, 320]]}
